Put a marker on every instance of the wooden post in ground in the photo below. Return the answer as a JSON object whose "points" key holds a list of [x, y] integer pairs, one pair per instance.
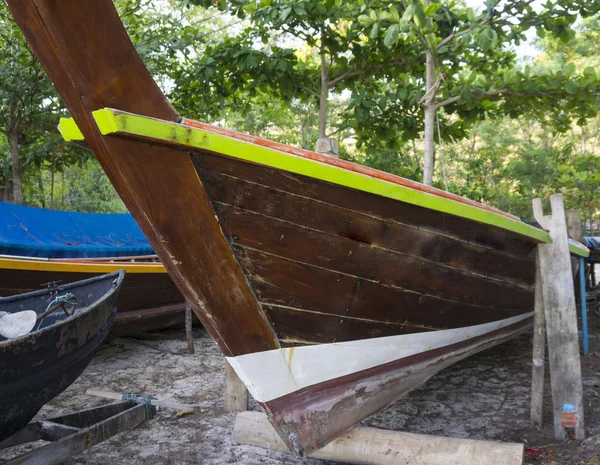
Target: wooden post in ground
{"points": [[375, 446], [539, 350], [561, 322], [574, 228], [574, 224], [236, 394], [189, 335]]}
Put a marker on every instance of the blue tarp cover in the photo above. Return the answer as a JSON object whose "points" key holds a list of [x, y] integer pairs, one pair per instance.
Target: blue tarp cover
{"points": [[37, 232]]}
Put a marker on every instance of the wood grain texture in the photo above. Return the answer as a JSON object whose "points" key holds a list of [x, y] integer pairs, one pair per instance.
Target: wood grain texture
{"points": [[338, 253], [346, 222], [102, 69], [374, 205], [283, 282]]}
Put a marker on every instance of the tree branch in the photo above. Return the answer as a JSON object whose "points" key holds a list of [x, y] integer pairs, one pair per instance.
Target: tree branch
{"points": [[489, 93], [309, 90]]}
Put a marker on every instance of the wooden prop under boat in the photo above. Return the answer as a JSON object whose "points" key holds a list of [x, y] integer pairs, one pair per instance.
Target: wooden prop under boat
{"points": [[148, 299], [333, 289], [38, 366]]}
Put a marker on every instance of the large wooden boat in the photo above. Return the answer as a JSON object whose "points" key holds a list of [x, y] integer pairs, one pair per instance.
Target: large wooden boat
{"points": [[332, 289], [37, 366], [148, 299]]}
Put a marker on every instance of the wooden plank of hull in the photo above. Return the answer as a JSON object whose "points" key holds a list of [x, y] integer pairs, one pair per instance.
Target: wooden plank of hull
{"points": [[370, 204], [345, 221], [310, 417], [281, 282], [362, 260], [99, 69]]}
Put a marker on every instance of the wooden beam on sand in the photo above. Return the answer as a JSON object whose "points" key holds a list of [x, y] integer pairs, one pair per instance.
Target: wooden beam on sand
{"points": [[375, 446], [561, 322]]}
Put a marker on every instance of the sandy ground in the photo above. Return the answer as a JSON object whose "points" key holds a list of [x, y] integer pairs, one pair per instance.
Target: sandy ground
{"points": [[484, 397]]}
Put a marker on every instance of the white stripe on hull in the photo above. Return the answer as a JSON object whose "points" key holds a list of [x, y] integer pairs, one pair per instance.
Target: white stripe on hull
{"points": [[275, 373]]}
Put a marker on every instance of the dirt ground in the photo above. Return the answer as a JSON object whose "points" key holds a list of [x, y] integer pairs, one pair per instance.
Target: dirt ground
{"points": [[484, 397]]}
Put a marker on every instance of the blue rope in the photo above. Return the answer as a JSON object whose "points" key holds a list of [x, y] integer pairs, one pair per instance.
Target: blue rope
{"points": [[141, 400], [68, 298]]}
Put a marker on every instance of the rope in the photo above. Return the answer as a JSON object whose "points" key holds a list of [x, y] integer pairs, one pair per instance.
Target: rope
{"points": [[59, 301], [141, 400], [68, 298]]}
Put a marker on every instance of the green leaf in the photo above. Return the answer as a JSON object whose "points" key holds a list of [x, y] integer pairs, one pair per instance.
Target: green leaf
{"points": [[465, 93], [431, 9], [488, 39], [365, 20], [470, 14], [391, 35], [571, 87], [569, 70], [284, 13], [374, 31]]}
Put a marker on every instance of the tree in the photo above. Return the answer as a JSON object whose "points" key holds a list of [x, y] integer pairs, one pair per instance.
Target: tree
{"points": [[470, 71], [330, 55], [27, 98]]}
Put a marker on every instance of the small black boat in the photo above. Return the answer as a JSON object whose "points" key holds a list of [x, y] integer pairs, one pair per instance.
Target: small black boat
{"points": [[38, 366]]}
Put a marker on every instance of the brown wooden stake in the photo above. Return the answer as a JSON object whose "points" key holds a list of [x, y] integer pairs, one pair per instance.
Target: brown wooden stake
{"points": [[561, 322], [539, 351], [188, 328], [236, 395], [375, 446]]}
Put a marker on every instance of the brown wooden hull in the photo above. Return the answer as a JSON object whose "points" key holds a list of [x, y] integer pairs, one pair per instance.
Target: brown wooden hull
{"points": [[147, 301], [332, 289]]}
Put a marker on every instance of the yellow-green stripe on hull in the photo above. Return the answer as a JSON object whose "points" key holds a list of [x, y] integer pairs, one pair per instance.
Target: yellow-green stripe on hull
{"points": [[114, 122]]}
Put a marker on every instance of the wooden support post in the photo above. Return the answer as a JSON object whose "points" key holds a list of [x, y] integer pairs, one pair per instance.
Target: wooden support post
{"points": [[188, 328], [236, 395], [583, 296], [574, 224], [561, 322], [374, 446], [539, 350]]}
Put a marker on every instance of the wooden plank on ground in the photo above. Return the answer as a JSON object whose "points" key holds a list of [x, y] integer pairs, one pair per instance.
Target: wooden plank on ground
{"points": [[374, 446]]}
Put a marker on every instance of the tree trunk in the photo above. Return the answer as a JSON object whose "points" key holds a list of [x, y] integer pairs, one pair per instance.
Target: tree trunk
{"points": [[13, 143], [323, 97], [41, 188], [53, 168], [430, 111]]}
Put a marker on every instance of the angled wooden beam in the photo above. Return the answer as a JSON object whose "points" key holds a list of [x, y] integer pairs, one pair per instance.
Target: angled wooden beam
{"points": [[561, 321]]}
